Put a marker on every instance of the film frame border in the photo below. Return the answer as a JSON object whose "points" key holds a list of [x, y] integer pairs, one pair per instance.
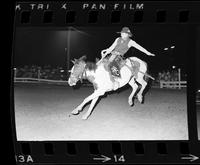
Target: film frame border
{"points": [[133, 151]]}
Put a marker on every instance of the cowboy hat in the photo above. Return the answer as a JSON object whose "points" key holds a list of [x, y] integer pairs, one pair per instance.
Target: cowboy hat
{"points": [[126, 30]]}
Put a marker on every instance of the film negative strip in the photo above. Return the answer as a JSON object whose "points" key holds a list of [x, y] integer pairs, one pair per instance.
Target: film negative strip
{"points": [[106, 82]]}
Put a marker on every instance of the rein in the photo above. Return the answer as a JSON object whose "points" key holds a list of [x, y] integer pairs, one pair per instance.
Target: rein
{"points": [[82, 75]]}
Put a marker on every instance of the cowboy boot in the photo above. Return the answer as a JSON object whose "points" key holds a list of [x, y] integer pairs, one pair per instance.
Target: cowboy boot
{"points": [[115, 83], [118, 71]]}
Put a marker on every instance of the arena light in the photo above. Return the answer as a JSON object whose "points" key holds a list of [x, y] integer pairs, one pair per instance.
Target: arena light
{"points": [[15, 68], [172, 47], [79, 31], [173, 67], [62, 70], [166, 48]]}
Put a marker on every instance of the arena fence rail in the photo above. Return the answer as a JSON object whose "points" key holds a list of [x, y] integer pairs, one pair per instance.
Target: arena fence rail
{"points": [[163, 84], [173, 84], [48, 81]]}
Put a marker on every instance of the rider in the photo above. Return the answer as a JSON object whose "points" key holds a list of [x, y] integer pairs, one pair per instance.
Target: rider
{"points": [[120, 46]]}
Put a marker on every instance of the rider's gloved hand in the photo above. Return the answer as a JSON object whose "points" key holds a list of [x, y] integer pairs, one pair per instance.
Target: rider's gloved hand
{"points": [[150, 54], [104, 53]]}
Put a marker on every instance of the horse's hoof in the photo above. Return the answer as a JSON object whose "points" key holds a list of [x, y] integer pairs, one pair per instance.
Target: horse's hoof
{"points": [[140, 99], [75, 112], [84, 117], [130, 102]]}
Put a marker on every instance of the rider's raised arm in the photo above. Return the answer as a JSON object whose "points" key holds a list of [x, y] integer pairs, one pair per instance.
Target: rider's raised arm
{"points": [[111, 48], [137, 46]]}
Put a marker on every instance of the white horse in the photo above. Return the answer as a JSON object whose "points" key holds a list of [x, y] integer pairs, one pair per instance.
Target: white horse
{"points": [[99, 76]]}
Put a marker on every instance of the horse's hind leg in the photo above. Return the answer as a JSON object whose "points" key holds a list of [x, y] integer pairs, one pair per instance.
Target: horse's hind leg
{"points": [[134, 86], [143, 83]]}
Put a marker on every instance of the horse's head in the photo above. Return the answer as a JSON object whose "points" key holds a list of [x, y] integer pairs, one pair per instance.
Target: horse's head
{"points": [[77, 71]]}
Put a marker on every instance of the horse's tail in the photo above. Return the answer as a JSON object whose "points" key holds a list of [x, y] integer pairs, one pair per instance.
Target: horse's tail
{"points": [[147, 75]]}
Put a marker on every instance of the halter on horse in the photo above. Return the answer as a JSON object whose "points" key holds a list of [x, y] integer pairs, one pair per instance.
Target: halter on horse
{"points": [[99, 76]]}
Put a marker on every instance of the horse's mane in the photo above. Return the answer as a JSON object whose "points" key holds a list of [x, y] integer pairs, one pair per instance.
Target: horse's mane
{"points": [[91, 66]]}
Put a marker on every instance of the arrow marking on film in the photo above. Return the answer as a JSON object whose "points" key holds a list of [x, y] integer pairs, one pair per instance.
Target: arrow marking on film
{"points": [[191, 157], [103, 158]]}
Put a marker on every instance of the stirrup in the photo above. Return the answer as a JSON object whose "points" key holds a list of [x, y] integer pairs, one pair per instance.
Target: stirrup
{"points": [[115, 72]]}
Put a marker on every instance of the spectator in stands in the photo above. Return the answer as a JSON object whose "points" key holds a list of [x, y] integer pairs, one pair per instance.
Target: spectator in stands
{"points": [[168, 76]]}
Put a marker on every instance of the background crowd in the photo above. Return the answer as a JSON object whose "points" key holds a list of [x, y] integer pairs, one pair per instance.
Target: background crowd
{"points": [[41, 72], [60, 73]]}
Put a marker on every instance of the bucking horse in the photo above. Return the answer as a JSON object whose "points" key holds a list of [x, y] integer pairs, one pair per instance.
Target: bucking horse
{"points": [[132, 71]]}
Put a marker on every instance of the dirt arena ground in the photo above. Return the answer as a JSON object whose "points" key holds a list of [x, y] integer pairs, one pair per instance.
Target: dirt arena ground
{"points": [[42, 113]]}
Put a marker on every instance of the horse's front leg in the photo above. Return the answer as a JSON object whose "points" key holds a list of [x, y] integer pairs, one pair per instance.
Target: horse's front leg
{"points": [[87, 114], [79, 108], [98, 93], [86, 100]]}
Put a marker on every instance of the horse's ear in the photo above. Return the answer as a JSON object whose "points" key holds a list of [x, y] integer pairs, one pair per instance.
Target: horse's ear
{"points": [[83, 58], [73, 61], [97, 59]]}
